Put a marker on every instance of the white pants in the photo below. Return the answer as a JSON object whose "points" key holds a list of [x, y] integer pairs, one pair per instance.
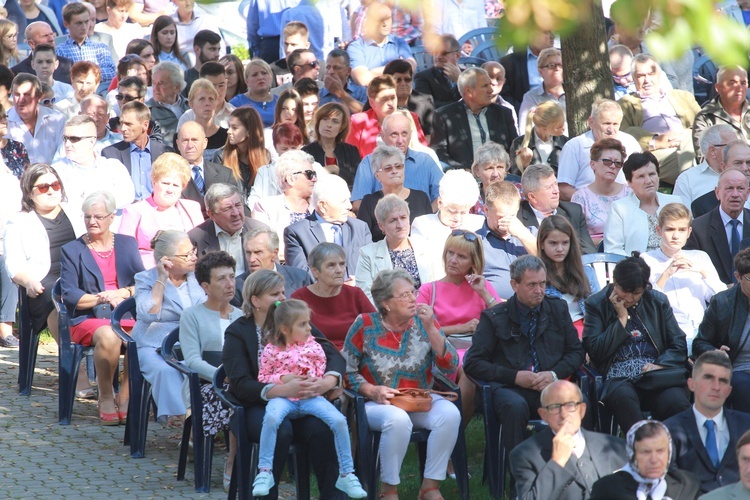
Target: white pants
{"points": [[166, 382], [443, 420]]}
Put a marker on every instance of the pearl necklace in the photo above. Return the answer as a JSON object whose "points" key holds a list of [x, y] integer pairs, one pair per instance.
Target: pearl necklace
{"points": [[101, 256]]}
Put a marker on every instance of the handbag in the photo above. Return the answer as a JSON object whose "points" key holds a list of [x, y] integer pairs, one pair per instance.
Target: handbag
{"points": [[418, 399], [662, 379], [102, 311]]}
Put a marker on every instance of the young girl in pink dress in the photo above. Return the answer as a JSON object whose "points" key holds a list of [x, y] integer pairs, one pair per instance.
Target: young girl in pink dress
{"points": [[292, 354]]}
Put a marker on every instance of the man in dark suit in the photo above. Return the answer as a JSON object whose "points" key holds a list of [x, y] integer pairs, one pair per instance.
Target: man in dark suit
{"points": [[543, 199], [704, 437], [521, 346], [136, 151], [439, 81], [719, 232], [192, 142], [564, 461], [37, 33], [329, 222], [226, 225], [459, 129], [262, 252], [521, 72]]}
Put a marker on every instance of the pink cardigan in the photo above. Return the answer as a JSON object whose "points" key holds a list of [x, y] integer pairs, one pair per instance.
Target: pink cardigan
{"points": [[307, 359]]}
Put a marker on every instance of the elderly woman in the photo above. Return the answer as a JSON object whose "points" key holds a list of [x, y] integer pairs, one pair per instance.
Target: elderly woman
{"points": [[458, 194], [85, 77], [543, 140], [387, 164], [164, 209], [162, 293], [244, 340], [596, 199], [550, 68], [397, 250], [297, 177], [632, 220], [334, 305], [631, 335], [259, 76], [415, 345], [34, 238], [202, 330], [97, 273], [647, 473], [331, 126], [202, 100], [235, 76], [491, 164]]}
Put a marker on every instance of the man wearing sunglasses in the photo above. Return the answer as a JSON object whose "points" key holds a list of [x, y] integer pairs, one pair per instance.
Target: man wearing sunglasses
{"points": [[302, 63]]}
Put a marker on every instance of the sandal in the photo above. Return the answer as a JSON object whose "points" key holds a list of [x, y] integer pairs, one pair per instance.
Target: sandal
{"points": [[88, 393], [422, 494], [108, 418]]}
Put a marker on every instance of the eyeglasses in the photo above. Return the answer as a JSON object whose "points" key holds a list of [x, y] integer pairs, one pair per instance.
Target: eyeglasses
{"points": [[626, 78], [404, 79], [75, 140], [746, 277], [43, 188], [407, 296], [390, 168], [186, 257], [552, 66], [468, 235], [49, 101], [555, 409], [309, 174], [126, 98], [717, 146], [11, 36], [97, 218], [312, 64], [608, 162]]}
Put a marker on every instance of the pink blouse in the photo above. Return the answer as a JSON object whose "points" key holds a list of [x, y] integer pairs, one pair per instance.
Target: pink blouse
{"points": [[455, 305], [306, 359]]}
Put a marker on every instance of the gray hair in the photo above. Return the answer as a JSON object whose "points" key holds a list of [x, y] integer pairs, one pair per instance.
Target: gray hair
{"points": [[165, 243], [322, 252], [382, 286], [644, 59], [77, 120], [387, 205], [526, 263], [604, 106], [383, 153], [174, 71], [712, 135], [330, 188], [273, 238], [468, 78], [487, 153], [728, 69], [258, 283], [729, 147], [90, 99], [533, 176], [104, 197], [458, 187], [219, 191], [291, 162]]}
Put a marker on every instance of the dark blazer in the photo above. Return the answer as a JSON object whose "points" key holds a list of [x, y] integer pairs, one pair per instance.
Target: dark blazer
{"points": [[212, 173], [61, 74], [80, 274], [301, 237], [554, 157], [681, 485], [294, 279], [240, 358], [121, 151], [500, 349], [723, 323], [690, 454], [516, 77], [709, 235], [346, 154], [569, 210], [451, 135], [205, 240], [538, 477], [433, 82]]}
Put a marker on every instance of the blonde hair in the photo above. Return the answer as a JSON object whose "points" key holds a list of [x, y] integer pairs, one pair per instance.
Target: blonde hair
{"points": [[171, 164], [472, 247], [202, 84]]}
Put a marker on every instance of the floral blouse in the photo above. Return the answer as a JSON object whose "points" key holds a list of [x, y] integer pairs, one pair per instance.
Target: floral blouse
{"points": [[15, 156]]}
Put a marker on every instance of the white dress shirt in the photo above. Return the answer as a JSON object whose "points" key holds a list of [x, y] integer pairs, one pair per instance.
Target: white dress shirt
{"points": [[725, 218], [720, 426], [48, 133], [104, 174], [232, 244]]}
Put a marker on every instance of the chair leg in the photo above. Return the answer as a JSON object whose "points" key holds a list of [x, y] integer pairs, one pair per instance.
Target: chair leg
{"points": [[27, 350], [372, 466], [301, 468], [140, 422], [460, 465], [184, 447], [203, 448], [69, 358]]}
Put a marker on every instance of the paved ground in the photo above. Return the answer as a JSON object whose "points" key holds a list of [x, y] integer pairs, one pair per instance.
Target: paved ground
{"points": [[42, 459]]}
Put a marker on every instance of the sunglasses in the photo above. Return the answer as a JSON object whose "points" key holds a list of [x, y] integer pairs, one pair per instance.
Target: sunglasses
{"points": [[389, 168], [75, 140], [126, 98], [312, 64], [310, 174], [43, 188], [468, 235], [609, 162], [48, 101], [405, 79]]}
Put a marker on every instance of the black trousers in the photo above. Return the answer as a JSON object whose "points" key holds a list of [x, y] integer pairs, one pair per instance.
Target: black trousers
{"points": [[315, 435], [627, 402]]}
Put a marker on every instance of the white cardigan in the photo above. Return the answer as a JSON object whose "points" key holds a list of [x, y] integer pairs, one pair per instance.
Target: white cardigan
{"points": [[26, 242], [374, 258], [626, 229]]}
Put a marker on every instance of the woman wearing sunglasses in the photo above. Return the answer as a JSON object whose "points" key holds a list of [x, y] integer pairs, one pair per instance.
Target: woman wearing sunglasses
{"points": [[595, 199], [34, 237]]}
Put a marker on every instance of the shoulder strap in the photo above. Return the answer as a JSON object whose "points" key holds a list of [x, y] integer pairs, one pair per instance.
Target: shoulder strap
{"points": [[450, 396], [434, 293]]}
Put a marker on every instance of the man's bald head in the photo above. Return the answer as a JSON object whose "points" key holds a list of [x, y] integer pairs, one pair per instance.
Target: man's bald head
{"points": [[192, 142], [38, 33]]}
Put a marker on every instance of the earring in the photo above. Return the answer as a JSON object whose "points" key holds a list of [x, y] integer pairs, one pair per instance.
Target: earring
{"points": [[388, 309]]}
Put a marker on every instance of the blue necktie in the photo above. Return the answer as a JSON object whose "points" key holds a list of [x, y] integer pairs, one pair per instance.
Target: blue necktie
{"points": [[337, 237], [735, 247], [198, 179], [711, 447], [532, 341]]}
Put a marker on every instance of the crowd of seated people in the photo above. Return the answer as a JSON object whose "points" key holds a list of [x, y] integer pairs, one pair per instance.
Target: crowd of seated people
{"points": [[436, 221]]}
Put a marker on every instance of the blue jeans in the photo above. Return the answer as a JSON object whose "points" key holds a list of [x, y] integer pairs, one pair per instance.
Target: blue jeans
{"points": [[279, 409]]}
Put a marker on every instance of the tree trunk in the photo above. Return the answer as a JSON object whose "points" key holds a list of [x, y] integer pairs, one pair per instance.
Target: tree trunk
{"points": [[586, 70]]}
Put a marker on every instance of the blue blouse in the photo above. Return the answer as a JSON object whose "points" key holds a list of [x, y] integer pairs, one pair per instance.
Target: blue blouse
{"points": [[265, 109]]}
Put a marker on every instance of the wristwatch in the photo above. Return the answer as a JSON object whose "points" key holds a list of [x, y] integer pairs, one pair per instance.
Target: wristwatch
{"points": [[554, 376]]}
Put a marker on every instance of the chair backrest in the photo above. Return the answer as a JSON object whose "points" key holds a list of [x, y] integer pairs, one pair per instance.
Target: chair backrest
{"points": [[704, 78], [470, 62], [488, 50], [124, 308], [479, 35], [422, 56], [603, 264], [170, 347], [62, 314]]}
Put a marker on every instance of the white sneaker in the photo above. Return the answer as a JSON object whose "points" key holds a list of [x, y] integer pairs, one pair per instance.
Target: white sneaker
{"points": [[263, 484], [350, 485]]}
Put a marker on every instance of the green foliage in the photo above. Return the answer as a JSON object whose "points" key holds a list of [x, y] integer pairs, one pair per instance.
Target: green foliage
{"points": [[241, 51]]}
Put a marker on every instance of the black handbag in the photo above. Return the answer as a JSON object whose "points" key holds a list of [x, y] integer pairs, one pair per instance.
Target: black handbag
{"points": [[662, 379]]}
